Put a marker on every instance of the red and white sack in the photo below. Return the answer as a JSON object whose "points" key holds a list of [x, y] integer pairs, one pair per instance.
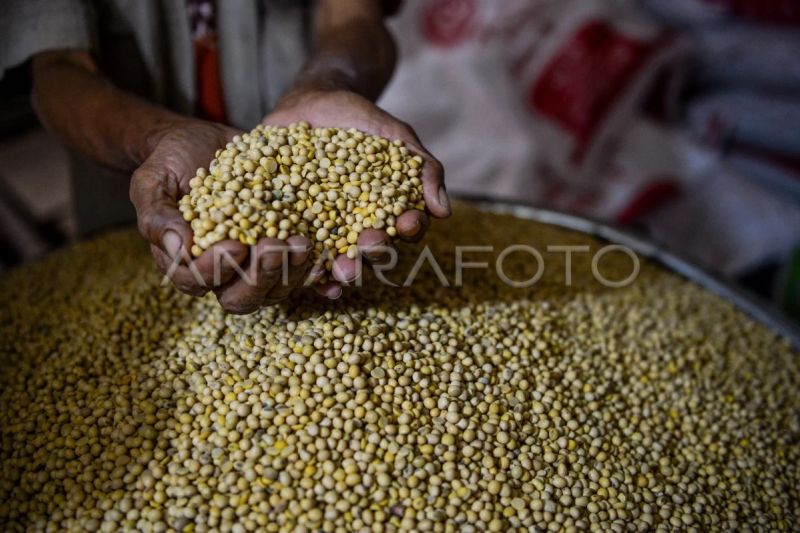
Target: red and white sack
{"points": [[504, 91], [652, 165], [456, 85], [588, 77]]}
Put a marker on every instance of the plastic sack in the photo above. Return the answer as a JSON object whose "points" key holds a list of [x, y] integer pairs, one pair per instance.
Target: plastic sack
{"points": [[588, 79]]}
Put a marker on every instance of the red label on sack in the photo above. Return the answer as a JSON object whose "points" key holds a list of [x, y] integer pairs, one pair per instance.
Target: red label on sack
{"points": [[448, 22], [585, 78]]}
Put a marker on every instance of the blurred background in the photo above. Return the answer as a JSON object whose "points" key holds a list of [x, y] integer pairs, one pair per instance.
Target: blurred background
{"points": [[678, 118]]}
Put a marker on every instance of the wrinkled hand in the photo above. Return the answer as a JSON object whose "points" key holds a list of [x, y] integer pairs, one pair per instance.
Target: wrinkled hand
{"points": [[156, 187], [344, 109]]}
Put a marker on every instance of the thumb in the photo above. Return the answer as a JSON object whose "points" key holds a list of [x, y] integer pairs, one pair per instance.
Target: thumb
{"points": [[154, 194]]}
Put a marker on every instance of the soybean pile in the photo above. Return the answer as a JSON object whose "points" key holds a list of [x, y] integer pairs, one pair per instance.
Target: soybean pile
{"points": [[658, 406]]}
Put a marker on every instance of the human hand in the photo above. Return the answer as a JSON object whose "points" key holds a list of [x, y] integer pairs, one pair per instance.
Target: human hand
{"points": [[345, 109], [274, 267]]}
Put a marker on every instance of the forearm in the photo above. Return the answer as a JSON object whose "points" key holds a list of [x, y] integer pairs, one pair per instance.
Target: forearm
{"points": [[353, 49], [92, 116]]}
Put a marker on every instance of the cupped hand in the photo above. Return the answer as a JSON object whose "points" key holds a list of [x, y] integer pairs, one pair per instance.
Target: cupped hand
{"points": [[243, 279], [345, 109]]}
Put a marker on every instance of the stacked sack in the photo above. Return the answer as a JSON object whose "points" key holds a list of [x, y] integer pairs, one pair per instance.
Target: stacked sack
{"points": [[745, 107]]}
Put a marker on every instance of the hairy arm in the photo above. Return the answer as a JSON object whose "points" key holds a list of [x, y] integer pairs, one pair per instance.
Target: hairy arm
{"points": [[353, 50], [92, 116]]}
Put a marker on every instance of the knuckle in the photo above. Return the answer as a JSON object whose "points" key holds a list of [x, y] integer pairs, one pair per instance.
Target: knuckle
{"points": [[159, 260], [137, 186], [436, 165], [406, 130], [236, 306], [190, 288], [150, 226], [271, 264], [279, 294], [240, 310], [229, 306], [133, 189], [144, 226], [272, 300]]}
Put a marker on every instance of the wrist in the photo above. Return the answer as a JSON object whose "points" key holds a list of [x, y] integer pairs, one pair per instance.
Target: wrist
{"points": [[310, 96], [156, 127], [329, 76], [328, 81]]}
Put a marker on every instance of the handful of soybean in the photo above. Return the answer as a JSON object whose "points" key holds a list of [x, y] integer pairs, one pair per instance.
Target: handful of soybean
{"points": [[325, 184]]}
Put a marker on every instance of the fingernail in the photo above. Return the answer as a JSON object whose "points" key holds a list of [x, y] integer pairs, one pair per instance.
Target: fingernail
{"points": [[172, 244], [444, 201], [337, 294], [339, 274]]}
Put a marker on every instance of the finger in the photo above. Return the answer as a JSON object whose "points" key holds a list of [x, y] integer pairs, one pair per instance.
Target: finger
{"points": [[220, 263], [245, 294], [282, 291], [412, 225], [433, 187], [299, 266], [154, 194], [180, 275], [316, 272], [372, 245], [318, 279], [300, 250], [346, 270], [330, 290], [198, 277]]}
